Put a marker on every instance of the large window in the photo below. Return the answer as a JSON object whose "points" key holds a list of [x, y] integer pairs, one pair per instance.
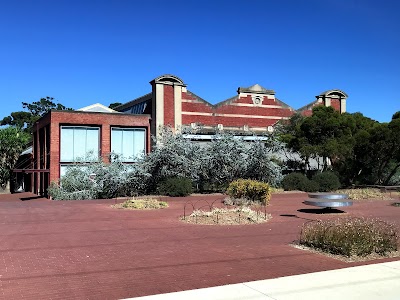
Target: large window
{"points": [[78, 141], [128, 143]]}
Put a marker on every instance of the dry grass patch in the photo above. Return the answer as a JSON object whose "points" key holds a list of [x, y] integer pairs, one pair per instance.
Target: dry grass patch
{"points": [[275, 190], [368, 193], [225, 216], [143, 203]]}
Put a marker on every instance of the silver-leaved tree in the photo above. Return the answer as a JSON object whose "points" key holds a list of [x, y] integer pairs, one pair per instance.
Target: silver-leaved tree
{"points": [[211, 165]]}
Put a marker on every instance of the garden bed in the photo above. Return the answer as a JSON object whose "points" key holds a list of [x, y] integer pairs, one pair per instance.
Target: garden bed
{"points": [[351, 238], [225, 216], [141, 204], [348, 259], [369, 194]]}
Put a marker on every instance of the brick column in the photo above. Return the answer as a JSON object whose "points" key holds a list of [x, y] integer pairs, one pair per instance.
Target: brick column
{"points": [[166, 102]]}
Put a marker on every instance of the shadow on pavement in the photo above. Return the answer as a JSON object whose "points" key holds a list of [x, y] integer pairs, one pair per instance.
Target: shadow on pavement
{"points": [[320, 211], [30, 198]]}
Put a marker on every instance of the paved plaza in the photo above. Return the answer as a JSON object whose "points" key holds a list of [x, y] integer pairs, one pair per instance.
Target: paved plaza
{"points": [[87, 250]]}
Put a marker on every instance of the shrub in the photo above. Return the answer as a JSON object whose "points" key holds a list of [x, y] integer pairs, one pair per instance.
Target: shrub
{"points": [[93, 179], [260, 165], [252, 190], [173, 156], [328, 181], [310, 186], [350, 236], [294, 181], [211, 166], [175, 187]]}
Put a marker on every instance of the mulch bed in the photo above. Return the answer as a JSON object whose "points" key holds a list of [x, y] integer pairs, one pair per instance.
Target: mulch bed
{"points": [[224, 216]]}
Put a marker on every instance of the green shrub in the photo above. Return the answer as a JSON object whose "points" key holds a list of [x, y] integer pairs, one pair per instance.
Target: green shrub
{"points": [[294, 181], [251, 190], [175, 187], [328, 181], [350, 236], [310, 186]]}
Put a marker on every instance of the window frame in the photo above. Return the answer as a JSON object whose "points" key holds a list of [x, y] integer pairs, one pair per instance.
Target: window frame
{"points": [[127, 128], [98, 154]]}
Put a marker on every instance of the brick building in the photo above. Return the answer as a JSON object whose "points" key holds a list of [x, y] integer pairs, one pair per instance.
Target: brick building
{"points": [[61, 137], [254, 108]]}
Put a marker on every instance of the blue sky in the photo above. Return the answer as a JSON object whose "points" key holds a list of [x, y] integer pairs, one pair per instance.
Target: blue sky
{"points": [[83, 52]]}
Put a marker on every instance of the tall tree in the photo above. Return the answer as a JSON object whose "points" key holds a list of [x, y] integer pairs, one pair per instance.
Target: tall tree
{"points": [[35, 110], [324, 134], [12, 142], [114, 105], [359, 149]]}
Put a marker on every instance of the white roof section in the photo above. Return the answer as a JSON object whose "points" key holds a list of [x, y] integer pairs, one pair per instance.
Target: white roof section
{"points": [[97, 107], [27, 151]]}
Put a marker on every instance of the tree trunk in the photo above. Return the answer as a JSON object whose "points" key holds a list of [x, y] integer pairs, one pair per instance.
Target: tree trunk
{"points": [[392, 173]]}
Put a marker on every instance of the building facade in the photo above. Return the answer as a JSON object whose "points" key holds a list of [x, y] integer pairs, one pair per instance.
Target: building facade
{"points": [[255, 108], [61, 138]]}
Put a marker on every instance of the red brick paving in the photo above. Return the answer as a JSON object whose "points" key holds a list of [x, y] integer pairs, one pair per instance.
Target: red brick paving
{"points": [[86, 250]]}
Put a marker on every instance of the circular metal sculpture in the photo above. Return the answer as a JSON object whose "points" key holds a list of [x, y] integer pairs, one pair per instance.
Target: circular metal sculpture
{"points": [[331, 196], [328, 200]]}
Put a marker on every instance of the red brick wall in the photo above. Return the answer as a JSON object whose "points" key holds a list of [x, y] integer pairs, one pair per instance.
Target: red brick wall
{"points": [[307, 112], [102, 120], [169, 108], [247, 100], [216, 113], [254, 111], [335, 103], [196, 107], [187, 96]]}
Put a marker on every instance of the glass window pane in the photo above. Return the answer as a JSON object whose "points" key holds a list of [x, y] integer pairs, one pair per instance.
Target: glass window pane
{"points": [[127, 145], [79, 143], [63, 170], [130, 143], [139, 143], [116, 141], [92, 142], [76, 142], [67, 144]]}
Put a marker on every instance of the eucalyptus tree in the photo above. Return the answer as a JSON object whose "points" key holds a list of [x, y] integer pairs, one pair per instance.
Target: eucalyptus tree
{"points": [[12, 143], [35, 110], [173, 156]]}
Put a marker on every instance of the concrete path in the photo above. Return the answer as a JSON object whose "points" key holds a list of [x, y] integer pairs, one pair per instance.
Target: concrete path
{"points": [[378, 281]]}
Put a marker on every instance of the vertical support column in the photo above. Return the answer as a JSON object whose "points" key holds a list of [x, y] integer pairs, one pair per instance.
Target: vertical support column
{"points": [[342, 105], [41, 160], [45, 148], [178, 107], [327, 102], [37, 160], [166, 102], [104, 150], [159, 108], [55, 149]]}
